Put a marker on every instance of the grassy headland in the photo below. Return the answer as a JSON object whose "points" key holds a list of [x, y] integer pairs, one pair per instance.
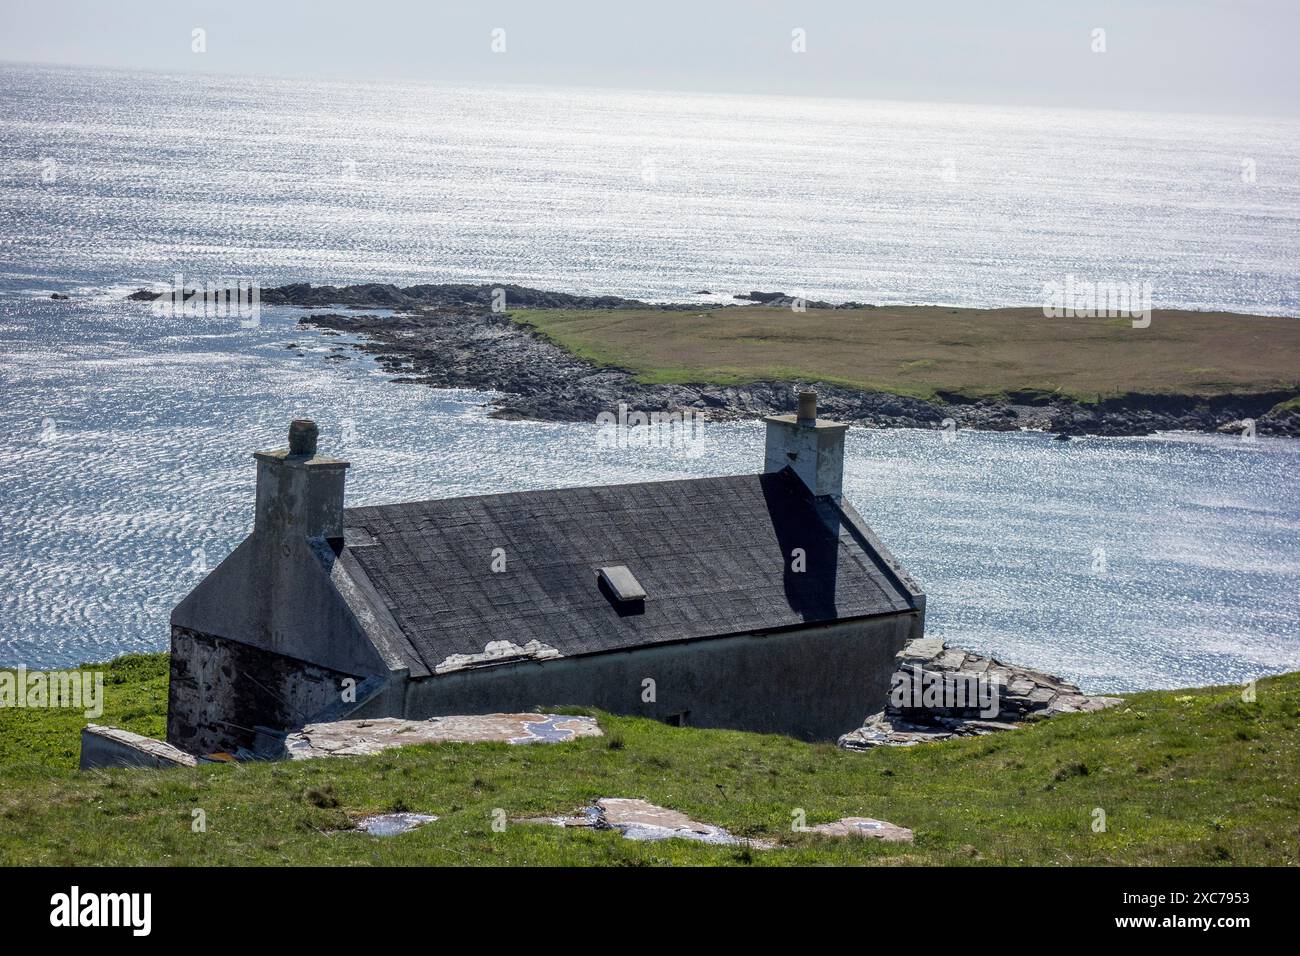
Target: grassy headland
{"points": [[1183, 777], [921, 351]]}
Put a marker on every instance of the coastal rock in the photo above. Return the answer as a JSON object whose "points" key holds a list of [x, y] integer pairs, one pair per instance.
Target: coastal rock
{"points": [[940, 692], [1282, 421], [447, 335], [468, 348]]}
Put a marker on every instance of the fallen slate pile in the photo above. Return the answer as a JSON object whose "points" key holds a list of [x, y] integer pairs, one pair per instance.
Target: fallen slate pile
{"points": [[1017, 695], [350, 738]]}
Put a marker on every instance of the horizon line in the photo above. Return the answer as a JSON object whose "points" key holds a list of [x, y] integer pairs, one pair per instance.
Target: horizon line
{"points": [[426, 81]]}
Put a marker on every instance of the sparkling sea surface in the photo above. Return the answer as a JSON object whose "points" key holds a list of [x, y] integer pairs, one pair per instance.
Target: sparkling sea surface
{"points": [[125, 436]]}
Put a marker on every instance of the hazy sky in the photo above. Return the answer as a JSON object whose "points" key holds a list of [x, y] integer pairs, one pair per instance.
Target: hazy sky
{"points": [[1231, 56]]}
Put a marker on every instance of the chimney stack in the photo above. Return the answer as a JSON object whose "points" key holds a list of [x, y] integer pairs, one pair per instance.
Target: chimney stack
{"points": [[813, 448], [298, 491]]}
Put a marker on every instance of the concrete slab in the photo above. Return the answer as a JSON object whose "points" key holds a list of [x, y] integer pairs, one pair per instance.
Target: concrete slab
{"points": [[351, 738], [113, 747]]}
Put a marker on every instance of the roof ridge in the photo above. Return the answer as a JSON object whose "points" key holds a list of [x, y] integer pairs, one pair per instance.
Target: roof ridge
{"points": [[620, 486]]}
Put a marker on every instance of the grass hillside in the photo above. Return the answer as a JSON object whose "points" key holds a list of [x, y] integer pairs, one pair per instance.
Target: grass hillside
{"points": [[921, 350], [1184, 777]]}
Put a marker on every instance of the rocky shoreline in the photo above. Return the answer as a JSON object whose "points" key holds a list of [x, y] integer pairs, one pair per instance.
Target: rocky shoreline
{"points": [[447, 336]]}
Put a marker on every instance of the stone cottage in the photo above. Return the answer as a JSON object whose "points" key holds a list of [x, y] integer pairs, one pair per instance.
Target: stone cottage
{"points": [[759, 602]]}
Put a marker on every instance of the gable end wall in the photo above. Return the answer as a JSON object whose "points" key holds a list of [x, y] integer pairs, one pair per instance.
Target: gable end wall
{"points": [[221, 690]]}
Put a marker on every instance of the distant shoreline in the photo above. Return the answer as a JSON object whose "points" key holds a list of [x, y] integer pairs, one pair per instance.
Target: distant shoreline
{"points": [[566, 358]]}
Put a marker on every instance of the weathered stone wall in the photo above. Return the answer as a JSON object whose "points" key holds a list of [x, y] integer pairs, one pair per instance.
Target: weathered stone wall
{"points": [[814, 683], [221, 690]]}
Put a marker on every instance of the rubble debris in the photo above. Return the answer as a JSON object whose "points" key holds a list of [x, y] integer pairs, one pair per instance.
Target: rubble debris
{"points": [[941, 692]]}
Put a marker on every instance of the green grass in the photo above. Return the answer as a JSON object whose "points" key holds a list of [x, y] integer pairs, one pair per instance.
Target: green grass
{"points": [[135, 699], [921, 351], [1185, 777]]}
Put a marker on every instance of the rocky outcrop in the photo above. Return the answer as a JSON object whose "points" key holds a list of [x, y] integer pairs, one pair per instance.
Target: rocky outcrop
{"points": [[539, 380], [444, 295], [1143, 414], [787, 301], [940, 692], [447, 335]]}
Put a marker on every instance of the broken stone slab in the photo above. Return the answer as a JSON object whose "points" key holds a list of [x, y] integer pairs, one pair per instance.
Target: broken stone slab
{"points": [[638, 819], [498, 652], [921, 651], [349, 738], [113, 747], [1084, 705], [864, 827], [993, 697], [880, 730]]}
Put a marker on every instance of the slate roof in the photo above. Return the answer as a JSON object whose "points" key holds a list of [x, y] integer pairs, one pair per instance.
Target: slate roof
{"points": [[713, 555]]}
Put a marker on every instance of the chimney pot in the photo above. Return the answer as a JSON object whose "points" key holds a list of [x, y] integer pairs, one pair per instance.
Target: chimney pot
{"points": [[807, 407], [302, 437]]}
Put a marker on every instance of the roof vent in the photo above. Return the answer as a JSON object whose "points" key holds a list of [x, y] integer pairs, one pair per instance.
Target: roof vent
{"points": [[621, 583]]}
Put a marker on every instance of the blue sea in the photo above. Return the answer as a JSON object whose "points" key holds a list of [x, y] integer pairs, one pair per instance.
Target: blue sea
{"points": [[125, 436]]}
